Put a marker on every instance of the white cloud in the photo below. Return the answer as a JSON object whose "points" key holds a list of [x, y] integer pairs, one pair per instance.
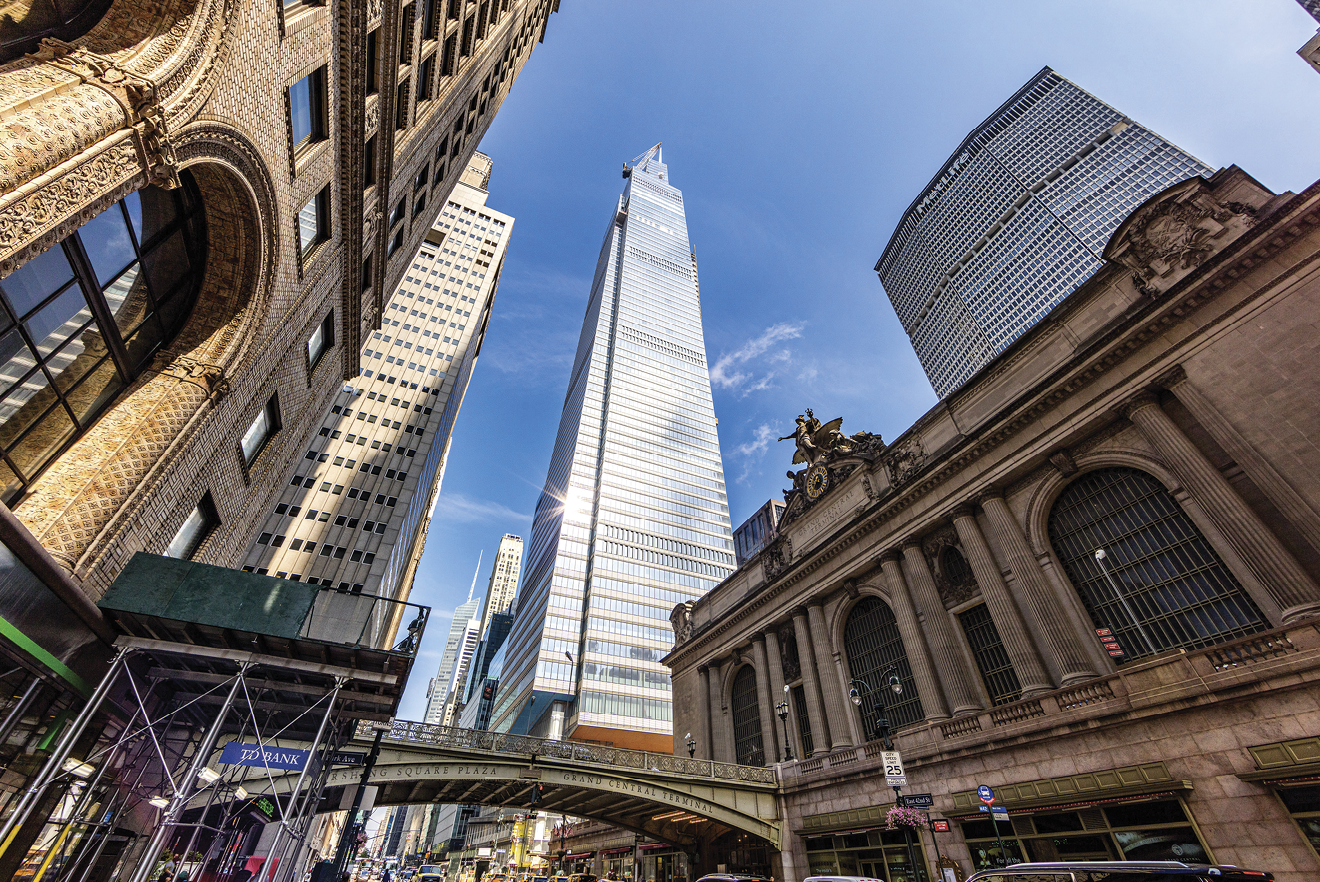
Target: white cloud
{"points": [[761, 438], [728, 372], [457, 507]]}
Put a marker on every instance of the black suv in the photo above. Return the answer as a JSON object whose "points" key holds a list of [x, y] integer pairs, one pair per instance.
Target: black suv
{"points": [[1121, 871]]}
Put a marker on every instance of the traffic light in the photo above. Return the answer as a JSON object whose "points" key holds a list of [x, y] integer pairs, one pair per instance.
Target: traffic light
{"points": [[538, 790]]}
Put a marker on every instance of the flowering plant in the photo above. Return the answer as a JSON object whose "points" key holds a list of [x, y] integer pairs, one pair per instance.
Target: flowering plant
{"points": [[902, 816]]}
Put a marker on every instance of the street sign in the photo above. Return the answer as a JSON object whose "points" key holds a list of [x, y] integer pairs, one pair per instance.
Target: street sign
{"points": [[1109, 642], [999, 813], [893, 764], [347, 758], [985, 794], [236, 753], [917, 800], [940, 826]]}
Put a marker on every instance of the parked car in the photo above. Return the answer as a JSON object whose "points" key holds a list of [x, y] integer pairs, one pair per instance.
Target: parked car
{"points": [[1121, 871], [582, 877], [743, 877], [841, 879]]}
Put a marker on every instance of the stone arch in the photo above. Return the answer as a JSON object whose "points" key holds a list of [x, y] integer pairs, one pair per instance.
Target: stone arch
{"points": [[1163, 585], [99, 118], [834, 627], [93, 493], [1055, 482]]}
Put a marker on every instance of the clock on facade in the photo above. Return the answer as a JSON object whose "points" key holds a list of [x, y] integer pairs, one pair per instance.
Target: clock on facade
{"points": [[818, 481]]}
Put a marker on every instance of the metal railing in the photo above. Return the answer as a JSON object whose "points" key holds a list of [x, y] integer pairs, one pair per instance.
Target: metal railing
{"points": [[528, 748]]}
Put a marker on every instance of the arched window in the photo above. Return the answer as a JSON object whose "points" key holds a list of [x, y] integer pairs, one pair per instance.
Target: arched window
{"points": [[874, 647], [1160, 585], [81, 321], [747, 746], [954, 566]]}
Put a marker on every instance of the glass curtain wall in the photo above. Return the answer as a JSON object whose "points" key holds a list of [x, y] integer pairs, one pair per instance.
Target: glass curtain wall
{"points": [[633, 518]]}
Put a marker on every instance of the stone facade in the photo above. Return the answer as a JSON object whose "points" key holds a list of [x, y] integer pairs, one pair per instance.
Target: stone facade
{"points": [[1184, 366], [162, 88]]}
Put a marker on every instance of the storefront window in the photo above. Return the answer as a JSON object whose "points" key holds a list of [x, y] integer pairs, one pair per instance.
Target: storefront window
{"points": [[1303, 803], [879, 854], [1140, 831], [665, 867]]}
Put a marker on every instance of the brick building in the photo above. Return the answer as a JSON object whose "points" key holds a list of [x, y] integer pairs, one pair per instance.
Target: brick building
{"points": [[205, 206], [1092, 570]]}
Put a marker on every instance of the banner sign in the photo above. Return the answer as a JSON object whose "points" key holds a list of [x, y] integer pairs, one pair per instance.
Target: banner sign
{"points": [[236, 753]]}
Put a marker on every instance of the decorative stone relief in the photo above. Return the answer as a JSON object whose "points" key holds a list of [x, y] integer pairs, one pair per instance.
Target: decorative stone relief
{"points": [[1162, 241], [953, 576], [905, 461], [681, 621]]}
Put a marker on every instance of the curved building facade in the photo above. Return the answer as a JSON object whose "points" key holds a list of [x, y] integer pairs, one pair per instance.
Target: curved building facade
{"points": [[1016, 220]]}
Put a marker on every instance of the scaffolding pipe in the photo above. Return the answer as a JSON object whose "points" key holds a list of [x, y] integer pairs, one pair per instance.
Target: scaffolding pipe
{"points": [[54, 765], [183, 793], [11, 721], [294, 802]]}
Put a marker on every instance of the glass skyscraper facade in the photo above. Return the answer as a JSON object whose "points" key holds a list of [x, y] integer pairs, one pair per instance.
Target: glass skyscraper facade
{"points": [[1016, 220], [633, 518]]}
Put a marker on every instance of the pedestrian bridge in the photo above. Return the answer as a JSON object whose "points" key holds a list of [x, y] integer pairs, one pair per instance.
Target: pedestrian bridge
{"points": [[670, 798]]}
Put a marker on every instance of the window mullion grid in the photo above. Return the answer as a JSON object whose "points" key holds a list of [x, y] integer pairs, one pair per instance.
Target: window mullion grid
{"points": [[86, 276]]}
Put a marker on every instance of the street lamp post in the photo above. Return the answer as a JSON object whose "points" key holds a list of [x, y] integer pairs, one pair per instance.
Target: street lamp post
{"points": [[782, 710], [691, 746], [859, 688]]}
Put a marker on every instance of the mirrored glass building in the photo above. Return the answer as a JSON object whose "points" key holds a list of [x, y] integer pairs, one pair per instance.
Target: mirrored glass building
{"points": [[1016, 220], [633, 518]]}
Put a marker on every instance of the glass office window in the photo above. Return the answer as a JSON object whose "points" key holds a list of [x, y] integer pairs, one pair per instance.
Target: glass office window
{"points": [[79, 322]]}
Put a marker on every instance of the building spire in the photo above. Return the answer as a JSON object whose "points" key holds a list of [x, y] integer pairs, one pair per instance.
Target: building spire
{"points": [[476, 573]]}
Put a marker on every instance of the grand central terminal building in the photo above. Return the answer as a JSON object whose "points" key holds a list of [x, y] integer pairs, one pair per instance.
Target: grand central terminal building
{"points": [[1092, 571]]}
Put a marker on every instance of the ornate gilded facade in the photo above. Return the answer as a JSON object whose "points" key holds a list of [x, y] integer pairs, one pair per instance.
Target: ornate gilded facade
{"points": [[204, 205], [1092, 570]]}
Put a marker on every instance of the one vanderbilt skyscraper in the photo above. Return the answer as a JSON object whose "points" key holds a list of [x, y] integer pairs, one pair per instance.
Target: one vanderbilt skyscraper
{"points": [[633, 518]]}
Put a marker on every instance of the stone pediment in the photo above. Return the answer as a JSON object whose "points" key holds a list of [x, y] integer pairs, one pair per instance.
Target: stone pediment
{"points": [[1175, 231]]}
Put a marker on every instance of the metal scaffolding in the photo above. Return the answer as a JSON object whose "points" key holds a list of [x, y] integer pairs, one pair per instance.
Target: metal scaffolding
{"points": [[193, 747]]}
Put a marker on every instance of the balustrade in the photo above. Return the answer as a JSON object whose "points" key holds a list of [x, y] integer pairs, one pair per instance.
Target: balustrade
{"points": [[528, 748]]}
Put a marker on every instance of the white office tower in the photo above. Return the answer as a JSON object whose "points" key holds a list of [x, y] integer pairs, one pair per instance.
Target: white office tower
{"points": [[355, 511], [1016, 220], [459, 628], [503, 587], [633, 518]]}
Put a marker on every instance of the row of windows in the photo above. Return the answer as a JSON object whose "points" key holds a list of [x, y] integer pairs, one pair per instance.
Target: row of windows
{"points": [[625, 706]]}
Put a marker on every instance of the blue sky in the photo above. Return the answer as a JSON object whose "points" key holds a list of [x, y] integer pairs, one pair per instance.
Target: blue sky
{"points": [[798, 134]]}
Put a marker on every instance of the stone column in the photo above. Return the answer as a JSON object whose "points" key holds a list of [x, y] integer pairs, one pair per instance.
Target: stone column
{"points": [[1008, 620], [835, 709], [1272, 484], [951, 665], [854, 725], [718, 729], [705, 720], [1278, 571], [820, 735], [777, 693], [765, 701], [1050, 618], [914, 640]]}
